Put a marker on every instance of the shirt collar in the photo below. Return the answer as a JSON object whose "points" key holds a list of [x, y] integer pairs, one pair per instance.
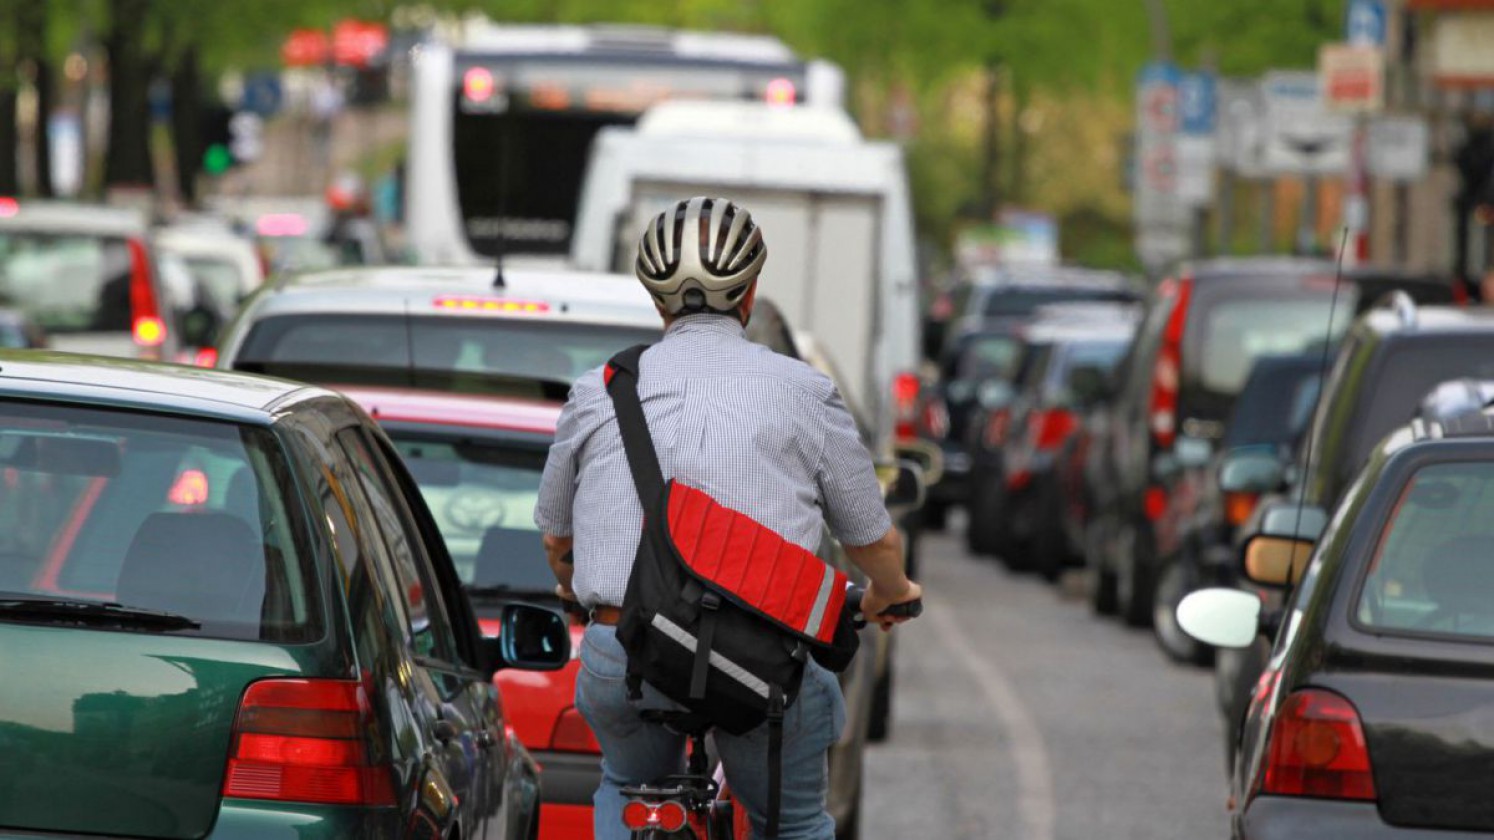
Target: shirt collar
{"points": [[706, 323]]}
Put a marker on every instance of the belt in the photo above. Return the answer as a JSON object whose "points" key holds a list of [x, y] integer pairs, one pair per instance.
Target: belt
{"points": [[604, 614]]}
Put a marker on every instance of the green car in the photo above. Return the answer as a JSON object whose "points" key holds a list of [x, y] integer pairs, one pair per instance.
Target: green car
{"points": [[226, 612]]}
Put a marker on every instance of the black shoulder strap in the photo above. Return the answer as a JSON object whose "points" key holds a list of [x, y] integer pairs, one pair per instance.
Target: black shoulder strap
{"points": [[621, 375]]}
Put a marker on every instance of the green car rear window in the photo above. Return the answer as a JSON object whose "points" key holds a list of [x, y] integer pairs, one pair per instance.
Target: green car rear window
{"points": [[1432, 572], [184, 516]]}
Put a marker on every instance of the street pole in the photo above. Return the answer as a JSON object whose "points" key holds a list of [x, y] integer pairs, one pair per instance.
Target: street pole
{"points": [[990, 172]]}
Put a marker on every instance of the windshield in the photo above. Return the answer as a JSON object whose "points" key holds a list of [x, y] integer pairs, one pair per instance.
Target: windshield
{"points": [[987, 357], [161, 513], [1016, 302], [220, 281], [469, 355], [1432, 572], [1391, 398], [482, 495], [66, 282], [1233, 332], [1276, 402]]}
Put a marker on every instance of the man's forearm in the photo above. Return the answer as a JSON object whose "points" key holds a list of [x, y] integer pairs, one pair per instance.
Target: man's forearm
{"points": [[883, 562]]}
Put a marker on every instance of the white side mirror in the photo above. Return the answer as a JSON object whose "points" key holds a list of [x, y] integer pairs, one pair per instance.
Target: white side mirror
{"points": [[1227, 618]]}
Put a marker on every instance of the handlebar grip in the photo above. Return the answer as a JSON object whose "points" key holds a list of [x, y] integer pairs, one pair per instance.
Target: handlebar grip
{"points": [[854, 594], [907, 609]]}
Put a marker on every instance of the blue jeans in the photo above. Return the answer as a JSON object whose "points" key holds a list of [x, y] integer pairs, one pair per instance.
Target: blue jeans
{"points": [[637, 753]]}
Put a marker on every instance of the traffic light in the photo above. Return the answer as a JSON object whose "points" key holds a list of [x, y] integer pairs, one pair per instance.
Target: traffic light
{"points": [[217, 139]]}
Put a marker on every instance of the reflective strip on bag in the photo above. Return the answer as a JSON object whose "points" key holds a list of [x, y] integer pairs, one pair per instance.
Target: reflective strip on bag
{"points": [[719, 662]]}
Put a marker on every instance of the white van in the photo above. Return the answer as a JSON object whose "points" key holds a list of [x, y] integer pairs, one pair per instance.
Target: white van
{"points": [[834, 209]]}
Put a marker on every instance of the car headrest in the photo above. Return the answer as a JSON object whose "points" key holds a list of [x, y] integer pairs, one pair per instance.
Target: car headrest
{"points": [[209, 566], [502, 548], [1458, 574]]}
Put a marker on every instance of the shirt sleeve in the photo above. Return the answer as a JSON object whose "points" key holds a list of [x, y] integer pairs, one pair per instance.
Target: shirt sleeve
{"points": [[847, 478], [557, 492]]}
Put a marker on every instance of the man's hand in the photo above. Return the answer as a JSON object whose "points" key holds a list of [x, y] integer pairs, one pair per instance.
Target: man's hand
{"points": [[875, 602], [558, 552]]}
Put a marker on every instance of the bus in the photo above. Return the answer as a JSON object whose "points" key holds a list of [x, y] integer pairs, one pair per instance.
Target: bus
{"points": [[503, 118]]}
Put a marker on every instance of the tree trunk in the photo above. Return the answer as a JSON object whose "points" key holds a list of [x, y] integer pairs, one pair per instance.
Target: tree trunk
{"points": [[127, 160], [186, 122], [9, 79], [31, 48]]}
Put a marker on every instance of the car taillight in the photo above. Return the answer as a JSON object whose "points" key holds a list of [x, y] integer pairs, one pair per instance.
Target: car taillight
{"points": [[997, 425], [1049, 429], [905, 388], [933, 421], [1238, 507], [146, 325], [206, 357], [1154, 503], [300, 740], [668, 817], [1168, 372], [1317, 748], [571, 734]]}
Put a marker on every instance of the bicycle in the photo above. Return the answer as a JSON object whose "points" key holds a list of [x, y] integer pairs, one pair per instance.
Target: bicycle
{"points": [[697, 805]]}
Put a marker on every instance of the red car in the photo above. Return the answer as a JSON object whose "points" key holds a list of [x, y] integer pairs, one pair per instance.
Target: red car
{"points": [[478, 462]]}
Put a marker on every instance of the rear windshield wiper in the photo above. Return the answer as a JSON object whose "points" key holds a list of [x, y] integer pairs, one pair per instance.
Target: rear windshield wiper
{"points": [[91, 612]]}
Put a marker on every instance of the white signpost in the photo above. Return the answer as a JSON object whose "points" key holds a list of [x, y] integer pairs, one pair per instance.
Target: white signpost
{"points": [[1301, 136], [1397, 147], [1161, 217]]}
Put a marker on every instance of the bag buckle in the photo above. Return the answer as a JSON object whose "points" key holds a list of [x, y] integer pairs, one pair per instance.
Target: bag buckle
{"points": [[710, 600]]}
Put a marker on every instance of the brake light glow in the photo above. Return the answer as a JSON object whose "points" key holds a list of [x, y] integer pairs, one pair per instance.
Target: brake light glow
{"points": [[1051, 428], [206, 357], [780, 92], [300, 740], [8, 207], [146, 326], [190, 488], [478, 84], [1154, 503], [467, 303], [1317, 748], [1238, 507], [1167, 374], [668, 817], [905, 388], [571, 734], [934, 419], [281, 224]]}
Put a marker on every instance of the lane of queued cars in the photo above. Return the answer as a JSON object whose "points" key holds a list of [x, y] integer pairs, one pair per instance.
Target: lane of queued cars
{"points": [[467, 375]]}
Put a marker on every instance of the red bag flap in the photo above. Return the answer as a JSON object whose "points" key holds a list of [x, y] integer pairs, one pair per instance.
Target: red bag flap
{"points": [[758, 568]]}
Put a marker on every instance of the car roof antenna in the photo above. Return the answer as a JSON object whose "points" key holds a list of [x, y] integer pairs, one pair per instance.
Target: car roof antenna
{"points": [[1323, 363], [501, 229]]}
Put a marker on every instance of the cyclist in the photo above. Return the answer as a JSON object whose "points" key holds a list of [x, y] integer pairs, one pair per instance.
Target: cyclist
{"points": [[760, 433]]}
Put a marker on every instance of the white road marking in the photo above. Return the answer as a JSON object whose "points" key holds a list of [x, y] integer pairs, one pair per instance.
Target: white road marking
{"points": [[1029, 753]]}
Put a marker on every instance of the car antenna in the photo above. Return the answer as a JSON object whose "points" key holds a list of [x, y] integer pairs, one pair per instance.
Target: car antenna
{"points": [[504, 152], [409, 344], [1338, 282]]}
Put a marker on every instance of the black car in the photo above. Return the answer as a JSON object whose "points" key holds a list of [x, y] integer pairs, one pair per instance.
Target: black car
{"points": [[1203, 331], [1017, 494], [1391, 359], [1371, 720]]}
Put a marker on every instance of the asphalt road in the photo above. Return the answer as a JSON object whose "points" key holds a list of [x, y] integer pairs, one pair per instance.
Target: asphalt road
{"points": [[1019, 715]]}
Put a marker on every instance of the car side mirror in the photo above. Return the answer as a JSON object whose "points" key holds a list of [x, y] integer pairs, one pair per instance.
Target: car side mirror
{"points": [[926, 455], [1222, 617], [530, 638], [1276, 561], [1251, 471], [1193, 452], [906, 489]]}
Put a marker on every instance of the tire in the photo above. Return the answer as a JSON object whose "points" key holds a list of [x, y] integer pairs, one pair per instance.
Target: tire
{"points": [[1102, 598], [935, 515], [982, 536], [1173, 583], [1134, 585], [879, 727], [1050, 549]]}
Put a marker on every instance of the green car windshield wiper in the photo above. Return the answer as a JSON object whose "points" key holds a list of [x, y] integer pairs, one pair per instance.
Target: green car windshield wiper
{"points": [[91, 612]]}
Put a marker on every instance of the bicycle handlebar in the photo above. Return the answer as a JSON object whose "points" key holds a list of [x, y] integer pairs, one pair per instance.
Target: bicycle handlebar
{"points": [[854, 594]]}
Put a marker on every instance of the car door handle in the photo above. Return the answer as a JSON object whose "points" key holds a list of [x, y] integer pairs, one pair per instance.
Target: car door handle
{"points": [[444, 731]]}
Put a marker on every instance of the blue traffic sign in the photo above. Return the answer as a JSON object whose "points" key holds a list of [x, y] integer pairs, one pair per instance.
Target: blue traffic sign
{"points": [[263, 94], [1197, 104], [1364, 23]]}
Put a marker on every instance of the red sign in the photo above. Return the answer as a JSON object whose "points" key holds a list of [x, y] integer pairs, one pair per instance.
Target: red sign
{"points": [[357, 43], [305, 48]]}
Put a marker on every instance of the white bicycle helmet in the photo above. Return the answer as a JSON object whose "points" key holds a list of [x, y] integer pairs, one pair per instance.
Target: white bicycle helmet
{"points": [[701, 255]]}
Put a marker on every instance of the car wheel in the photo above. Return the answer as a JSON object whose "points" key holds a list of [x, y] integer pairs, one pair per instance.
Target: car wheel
{"points": [[1102, 598], [1173, 584], [1133, 582], [1050, 551], [935, 515], [880, 724], [982, 537]]}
